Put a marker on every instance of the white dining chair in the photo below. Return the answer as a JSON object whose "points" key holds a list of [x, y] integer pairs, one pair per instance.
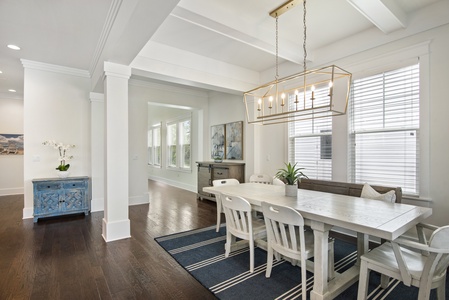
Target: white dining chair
{"points": [[241, 224], [422, 263], [218, 182], [277, 181], [261, 178], [286, 236]]}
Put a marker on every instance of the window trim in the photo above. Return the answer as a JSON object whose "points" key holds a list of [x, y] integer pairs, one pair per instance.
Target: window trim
{"points": [[397, 59], [152, 129], [178, 120]]}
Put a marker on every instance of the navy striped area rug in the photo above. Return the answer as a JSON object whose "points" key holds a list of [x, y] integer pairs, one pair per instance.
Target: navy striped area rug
{"points": [[201, 253]]}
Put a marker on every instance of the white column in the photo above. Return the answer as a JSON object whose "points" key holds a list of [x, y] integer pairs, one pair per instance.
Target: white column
{"points": [[97, 112], [116, 224]]}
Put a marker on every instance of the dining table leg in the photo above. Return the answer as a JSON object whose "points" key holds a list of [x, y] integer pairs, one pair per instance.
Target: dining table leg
{"points": [[362, 246], [321, 236]]}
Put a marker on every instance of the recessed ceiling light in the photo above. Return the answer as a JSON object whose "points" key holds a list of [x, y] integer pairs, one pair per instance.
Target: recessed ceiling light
{"points": [[13, 47], [1, 72], [12, 91]]}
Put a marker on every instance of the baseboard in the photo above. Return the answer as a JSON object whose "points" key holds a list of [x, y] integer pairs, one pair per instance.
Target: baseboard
{"points": [[11, 191], [118, 230], [137, 200], [174, 183], [27, 213]]}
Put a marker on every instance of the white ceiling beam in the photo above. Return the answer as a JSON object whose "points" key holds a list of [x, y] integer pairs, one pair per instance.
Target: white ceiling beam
{"points": [[384, 14], [199, 20]]}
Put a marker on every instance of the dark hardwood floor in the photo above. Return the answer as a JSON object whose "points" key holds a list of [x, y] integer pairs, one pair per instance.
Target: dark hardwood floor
{"points": [[67, 258]]}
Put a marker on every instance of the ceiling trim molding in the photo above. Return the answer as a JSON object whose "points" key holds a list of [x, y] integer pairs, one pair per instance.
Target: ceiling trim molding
{"points": [[29, 64], [386, 16], [167, 87], [240, 36], [107, 27], [96, 97]]}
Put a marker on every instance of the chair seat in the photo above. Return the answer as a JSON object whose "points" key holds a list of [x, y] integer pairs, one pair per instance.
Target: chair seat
{"points": [[420, 263], [384, 254], [309, 246], [259, 230]]}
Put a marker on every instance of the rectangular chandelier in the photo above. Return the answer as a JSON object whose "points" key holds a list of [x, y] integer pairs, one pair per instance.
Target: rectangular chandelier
{"points": [[311, 94]]}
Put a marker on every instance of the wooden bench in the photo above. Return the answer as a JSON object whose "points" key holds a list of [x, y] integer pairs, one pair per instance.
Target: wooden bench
{"points": [[344, 188]]}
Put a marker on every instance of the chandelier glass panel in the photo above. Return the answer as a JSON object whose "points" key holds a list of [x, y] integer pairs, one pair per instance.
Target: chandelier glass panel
{"points": [[317, 93]]}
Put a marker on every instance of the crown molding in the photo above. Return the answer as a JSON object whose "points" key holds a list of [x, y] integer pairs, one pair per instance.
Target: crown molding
{"points": [[96, 97], [107, 27], [29, 64]]}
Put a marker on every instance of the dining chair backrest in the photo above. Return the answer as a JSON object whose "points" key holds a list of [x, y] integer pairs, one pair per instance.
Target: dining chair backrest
{"points": [[261, 178], [238, 216], [228, 181], [277, 181], [219, 182], [240, 224], [421, 264], [285, 235], [277, 220], [440, 240]]}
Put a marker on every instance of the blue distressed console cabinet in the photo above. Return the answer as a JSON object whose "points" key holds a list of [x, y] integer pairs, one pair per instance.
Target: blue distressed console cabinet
{"points": [[61, 196]]}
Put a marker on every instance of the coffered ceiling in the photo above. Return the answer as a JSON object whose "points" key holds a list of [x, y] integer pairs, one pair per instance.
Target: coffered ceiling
{"points": [[161, 39]]}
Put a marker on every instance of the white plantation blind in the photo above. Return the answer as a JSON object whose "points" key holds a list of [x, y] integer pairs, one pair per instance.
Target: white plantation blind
{"points": [[310, 142], [178, 143], [384, 137]]}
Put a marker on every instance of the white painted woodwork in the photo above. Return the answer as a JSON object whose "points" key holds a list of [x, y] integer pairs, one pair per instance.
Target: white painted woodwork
{"points": [[97, 150], [116, 224], [323, 211], [421, 264]]}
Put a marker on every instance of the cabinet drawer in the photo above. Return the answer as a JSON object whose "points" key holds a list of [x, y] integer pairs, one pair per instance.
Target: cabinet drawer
{"points": [[220, 173], [48, 186], [74, 184]]}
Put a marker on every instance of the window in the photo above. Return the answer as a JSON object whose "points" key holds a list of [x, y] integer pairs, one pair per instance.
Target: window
{"points": [[384, 129], [150, 147], [171, 145], [310, 141], [154, 145], [178, 144]]}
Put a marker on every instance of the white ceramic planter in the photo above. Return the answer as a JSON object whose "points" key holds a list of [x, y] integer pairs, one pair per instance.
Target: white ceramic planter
{"points": [[291, 190], [63, 174]]}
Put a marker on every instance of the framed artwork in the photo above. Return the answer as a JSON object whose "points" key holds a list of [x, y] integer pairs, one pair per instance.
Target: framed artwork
{"points": [[234, 140], [11, 144], [217, 141]]}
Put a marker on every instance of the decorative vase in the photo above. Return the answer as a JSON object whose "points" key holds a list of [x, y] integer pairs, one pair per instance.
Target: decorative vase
{"points": [[63, 174], [291, 190]]}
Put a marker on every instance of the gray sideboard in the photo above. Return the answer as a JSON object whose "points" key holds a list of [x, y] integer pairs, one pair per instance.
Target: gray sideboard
{"points": [[61, 196], [210, 171]]}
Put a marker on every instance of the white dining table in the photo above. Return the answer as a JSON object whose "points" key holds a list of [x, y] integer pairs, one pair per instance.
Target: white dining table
{"points": [[322, 211]]}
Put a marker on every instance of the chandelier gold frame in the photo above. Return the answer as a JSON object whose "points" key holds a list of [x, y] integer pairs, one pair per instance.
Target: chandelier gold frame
{"points": [[318, 93]]}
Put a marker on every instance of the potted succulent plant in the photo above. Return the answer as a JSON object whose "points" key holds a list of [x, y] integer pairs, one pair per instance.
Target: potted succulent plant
{"points": [[290, 175]]}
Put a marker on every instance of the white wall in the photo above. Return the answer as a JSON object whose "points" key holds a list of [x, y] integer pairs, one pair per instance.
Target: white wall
{"points": [[191, 100], [226, 108], [56, 106], [11, 122]]}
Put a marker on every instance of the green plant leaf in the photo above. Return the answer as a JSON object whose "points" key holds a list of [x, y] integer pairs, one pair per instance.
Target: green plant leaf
{"points": [[290, 174]]}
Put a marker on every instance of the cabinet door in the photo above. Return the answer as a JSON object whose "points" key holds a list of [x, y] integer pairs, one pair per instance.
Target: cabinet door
{"points": [[74, 195], [47, 198], [47, 202], [204, 178]]}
